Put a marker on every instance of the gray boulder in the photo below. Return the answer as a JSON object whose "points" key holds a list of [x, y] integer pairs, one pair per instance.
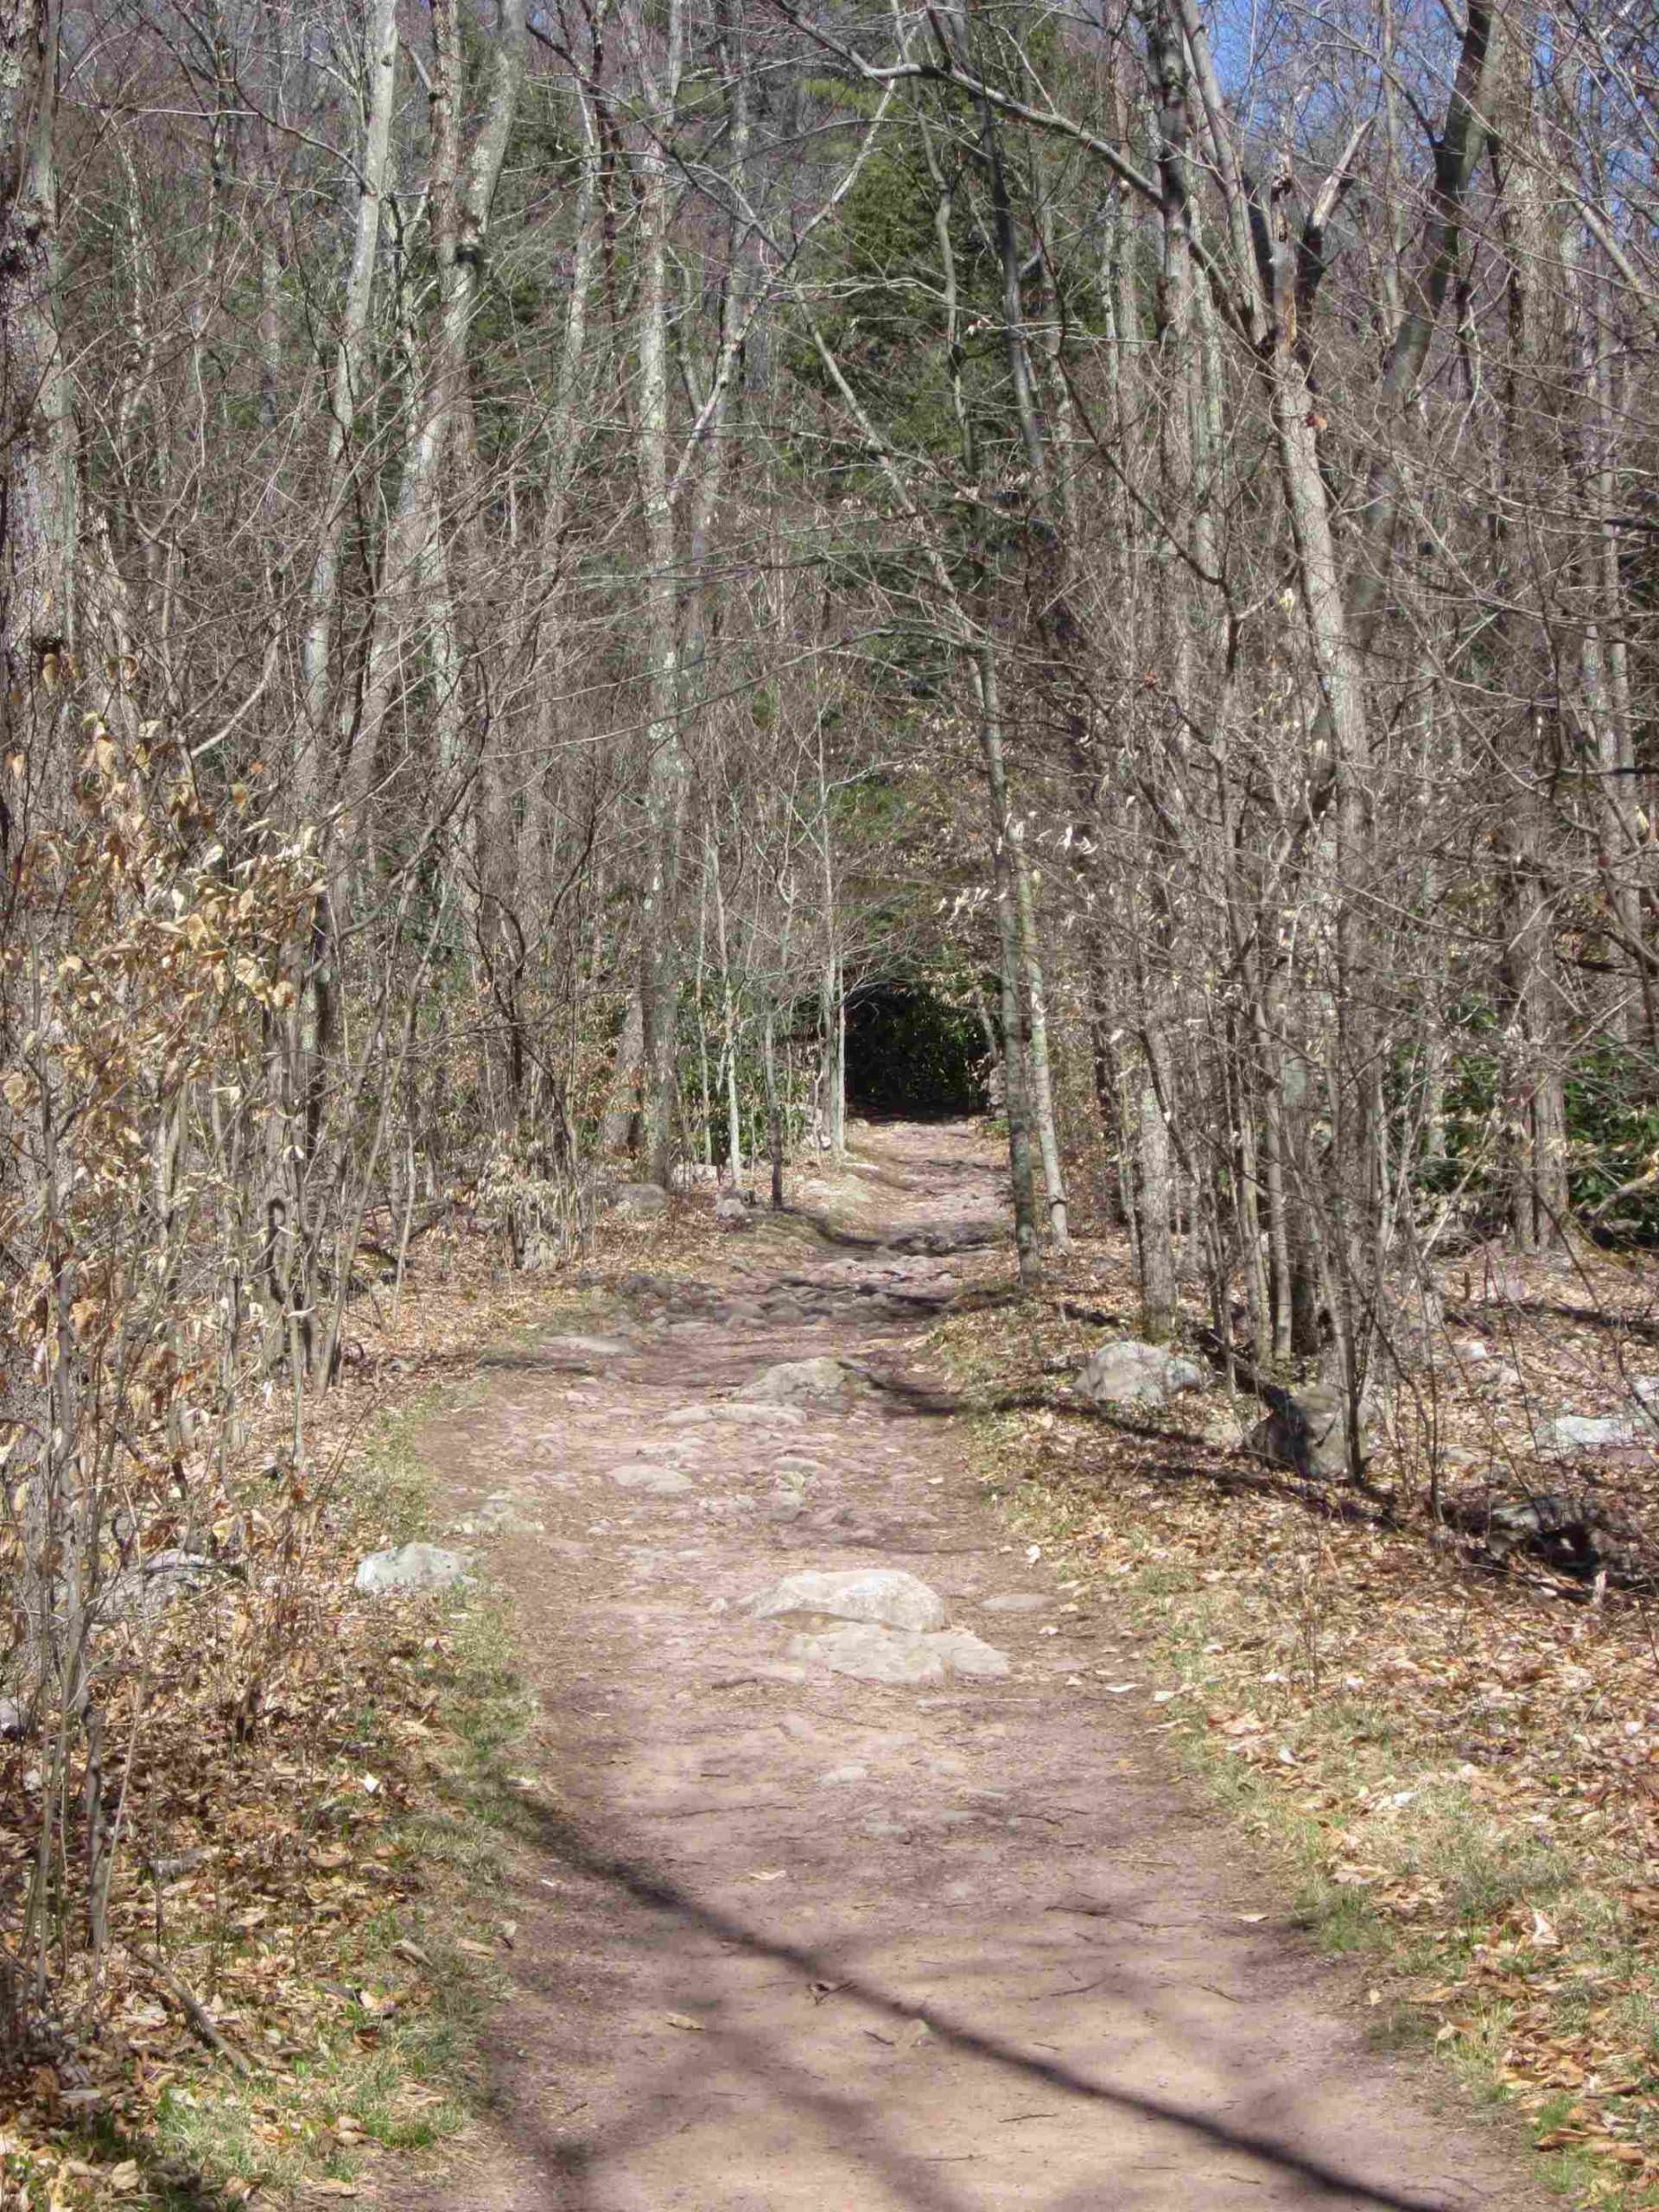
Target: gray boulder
{"points": [[641, 1200], [792, 1380], [732, 1211], [14, 1718], [1308, 1431], [1132, 1374], [886, 1596], [1570, 1433], [871, 1654], [409, 1570]]}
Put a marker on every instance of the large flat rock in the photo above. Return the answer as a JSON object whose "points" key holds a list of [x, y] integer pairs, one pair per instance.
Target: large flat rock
{"points": [[883, 1595], [872, 1653]]}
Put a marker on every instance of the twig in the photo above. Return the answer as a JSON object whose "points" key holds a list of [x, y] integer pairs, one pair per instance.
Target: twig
{"points": [[194, 2010]]}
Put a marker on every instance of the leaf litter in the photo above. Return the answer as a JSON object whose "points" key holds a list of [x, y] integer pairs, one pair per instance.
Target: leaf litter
{"points": [[1456, 1762]]}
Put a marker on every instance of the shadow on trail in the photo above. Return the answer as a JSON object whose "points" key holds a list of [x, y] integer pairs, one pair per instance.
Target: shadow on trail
{"points": [[905, 2172]]}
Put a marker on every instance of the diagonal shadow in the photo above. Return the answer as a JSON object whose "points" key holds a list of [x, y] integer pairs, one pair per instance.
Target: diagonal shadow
{"points": [[905, 2173], [563, 1842]]}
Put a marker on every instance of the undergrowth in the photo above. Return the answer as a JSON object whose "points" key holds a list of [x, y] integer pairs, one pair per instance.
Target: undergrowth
{"points": [[336, 1910]]}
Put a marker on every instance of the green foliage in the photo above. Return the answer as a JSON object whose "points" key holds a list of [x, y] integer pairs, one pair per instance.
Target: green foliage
{"points": [[1613, 1137], [912, 1051], [1612, 1128]]}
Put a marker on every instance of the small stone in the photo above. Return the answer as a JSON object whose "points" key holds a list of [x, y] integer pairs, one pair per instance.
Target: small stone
{"points": [[846, 1773], [409, 1570], [885, 1595], [1015, 1601], [880, 1828]]}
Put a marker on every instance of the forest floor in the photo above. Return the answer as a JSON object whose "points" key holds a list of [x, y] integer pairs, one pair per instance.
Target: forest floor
{"points": [[778, 1938]]}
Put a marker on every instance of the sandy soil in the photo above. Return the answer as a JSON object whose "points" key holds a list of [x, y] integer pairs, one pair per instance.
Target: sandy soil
{"points": [[788, 1941]]}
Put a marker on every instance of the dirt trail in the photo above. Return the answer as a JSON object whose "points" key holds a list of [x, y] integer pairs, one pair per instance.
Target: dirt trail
{"points": [[790, 1941]]}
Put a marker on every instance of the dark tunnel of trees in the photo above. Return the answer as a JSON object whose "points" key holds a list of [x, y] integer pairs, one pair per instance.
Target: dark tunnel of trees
{"points": [[911, 1052]]}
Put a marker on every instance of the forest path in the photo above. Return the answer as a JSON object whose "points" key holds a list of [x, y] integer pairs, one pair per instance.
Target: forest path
{"points": [[792, 1942]]}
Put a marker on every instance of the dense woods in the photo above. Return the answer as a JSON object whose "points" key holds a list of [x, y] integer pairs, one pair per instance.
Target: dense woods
{"points": [[549, 553]]}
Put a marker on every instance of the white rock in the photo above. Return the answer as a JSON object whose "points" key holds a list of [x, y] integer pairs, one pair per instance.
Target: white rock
{"points": [[586, 1348], [793, 1379], [1132, 1374], [1015, 1601], [409, 1570], [871, 1654], [1573, 1433], [14, 1719], [885, 1595], [647, 1475], [758, 1413], [966, 1655]]}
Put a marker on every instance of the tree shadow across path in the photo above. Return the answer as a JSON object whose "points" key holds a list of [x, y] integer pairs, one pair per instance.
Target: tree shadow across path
{"points": [[905, 2173]]}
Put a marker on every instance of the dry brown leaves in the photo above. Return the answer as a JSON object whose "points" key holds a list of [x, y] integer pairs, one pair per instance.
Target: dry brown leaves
{"points": [[287, 1729], [1473, 1752]]}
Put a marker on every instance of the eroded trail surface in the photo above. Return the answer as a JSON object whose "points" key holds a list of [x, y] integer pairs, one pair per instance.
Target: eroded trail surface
{"points": [[791, 1941]]}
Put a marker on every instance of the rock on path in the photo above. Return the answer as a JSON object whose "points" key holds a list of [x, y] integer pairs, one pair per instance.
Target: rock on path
{"points": [[887, 1597]]}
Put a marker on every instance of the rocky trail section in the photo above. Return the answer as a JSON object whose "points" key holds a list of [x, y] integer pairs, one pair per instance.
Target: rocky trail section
{"points": [[855, 1876]]}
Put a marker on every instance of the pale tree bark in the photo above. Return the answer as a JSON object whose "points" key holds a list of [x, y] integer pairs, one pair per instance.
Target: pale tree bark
{"points": [[665, 766], [346, 395], [414, 610]]}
